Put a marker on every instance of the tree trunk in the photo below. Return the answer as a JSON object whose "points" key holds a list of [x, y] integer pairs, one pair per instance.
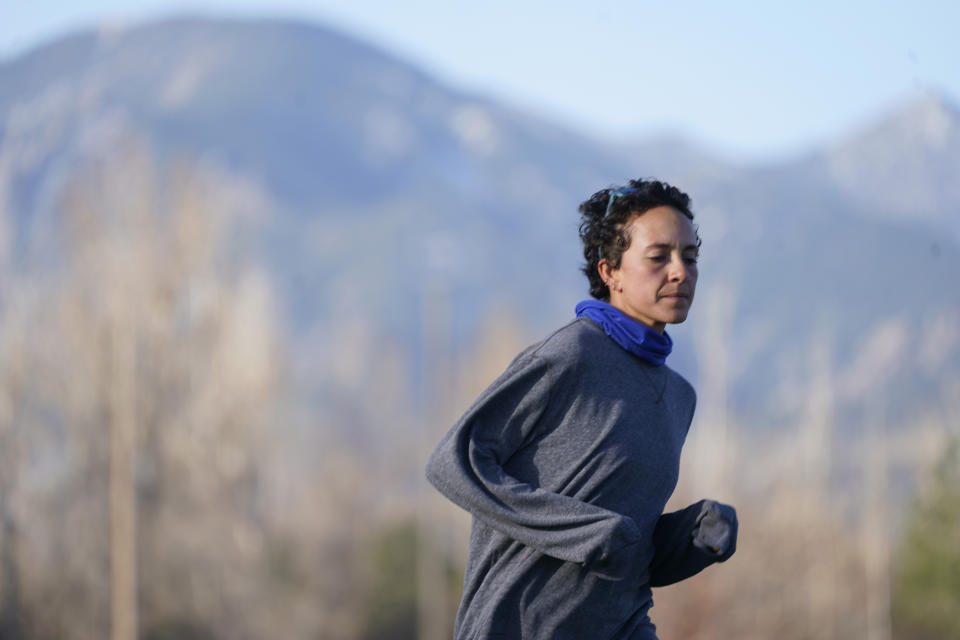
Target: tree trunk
{"points": [[123, 550]]}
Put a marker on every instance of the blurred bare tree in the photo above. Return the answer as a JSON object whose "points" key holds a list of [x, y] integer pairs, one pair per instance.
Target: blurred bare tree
{"points": [[139, 373]]}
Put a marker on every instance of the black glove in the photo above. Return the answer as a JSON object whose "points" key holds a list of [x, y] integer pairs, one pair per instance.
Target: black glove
{"points": [[716, 530]]}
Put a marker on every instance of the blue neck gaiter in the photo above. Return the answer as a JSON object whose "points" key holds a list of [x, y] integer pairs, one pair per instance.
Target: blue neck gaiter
{"points": [[635, 337]]}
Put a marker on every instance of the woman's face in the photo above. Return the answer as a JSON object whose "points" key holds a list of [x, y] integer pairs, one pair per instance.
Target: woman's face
{"points": [[657, 276]]}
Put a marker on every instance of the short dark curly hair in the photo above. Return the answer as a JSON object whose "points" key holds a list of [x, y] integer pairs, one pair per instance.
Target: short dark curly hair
{"points": [[604, 223]]}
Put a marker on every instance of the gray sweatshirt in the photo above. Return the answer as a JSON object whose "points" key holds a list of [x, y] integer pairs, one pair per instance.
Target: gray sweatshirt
{"points": [[566, 462]]}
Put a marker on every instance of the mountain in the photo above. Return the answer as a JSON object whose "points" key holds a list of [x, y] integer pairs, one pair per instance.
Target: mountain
{"points": [[331, 129], [382, 189], [902, 167]]}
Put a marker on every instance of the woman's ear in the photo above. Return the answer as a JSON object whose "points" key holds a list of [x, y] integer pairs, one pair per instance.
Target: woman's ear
{"points": [[603, 268], [605, 271]]}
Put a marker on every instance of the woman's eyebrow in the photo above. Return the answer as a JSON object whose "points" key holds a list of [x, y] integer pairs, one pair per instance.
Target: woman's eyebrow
{"points": [[666, 246]]}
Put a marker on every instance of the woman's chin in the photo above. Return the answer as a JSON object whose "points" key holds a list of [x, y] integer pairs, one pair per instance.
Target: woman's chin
{"points": [[679, 316]]}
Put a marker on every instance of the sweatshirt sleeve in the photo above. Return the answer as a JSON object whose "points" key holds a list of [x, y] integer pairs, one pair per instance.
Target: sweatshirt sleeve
{"points": [[688, 541], [468, 467]]}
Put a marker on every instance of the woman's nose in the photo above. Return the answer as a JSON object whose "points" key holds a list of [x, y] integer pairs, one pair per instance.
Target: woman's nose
{"points": [[678, 270]]}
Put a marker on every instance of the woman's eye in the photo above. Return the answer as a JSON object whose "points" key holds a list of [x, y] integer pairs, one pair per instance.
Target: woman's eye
{"points": [[691, 259], [658, 258]]}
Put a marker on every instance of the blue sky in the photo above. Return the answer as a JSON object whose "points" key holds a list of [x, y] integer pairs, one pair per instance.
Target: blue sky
{"points": [[752, 80]]}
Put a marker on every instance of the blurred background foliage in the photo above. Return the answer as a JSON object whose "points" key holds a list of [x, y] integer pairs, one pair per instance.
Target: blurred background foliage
{"points": [[927, 570], [252, 270]]}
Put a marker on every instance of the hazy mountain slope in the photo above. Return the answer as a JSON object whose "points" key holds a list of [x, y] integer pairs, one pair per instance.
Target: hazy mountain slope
{"points": [[911, 155], [383, 188], [330, 128]]}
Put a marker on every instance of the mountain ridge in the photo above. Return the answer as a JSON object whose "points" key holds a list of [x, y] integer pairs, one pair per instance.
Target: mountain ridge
{"points": [[437, 189]]}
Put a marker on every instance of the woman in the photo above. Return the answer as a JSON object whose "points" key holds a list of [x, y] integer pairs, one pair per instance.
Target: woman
{"points": [[567, 460]]}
